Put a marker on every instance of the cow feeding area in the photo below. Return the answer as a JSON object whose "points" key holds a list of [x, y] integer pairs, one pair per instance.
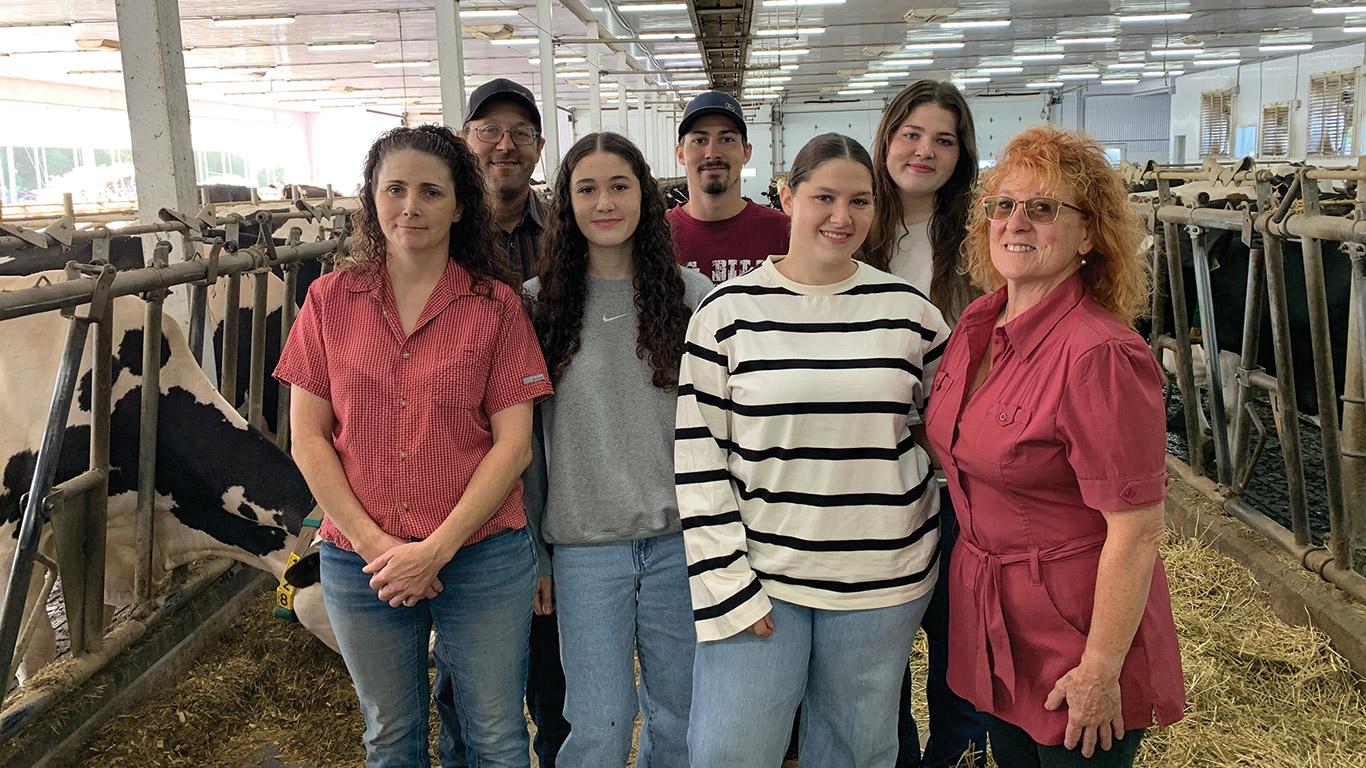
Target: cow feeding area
{"points": [[1260, 692]]}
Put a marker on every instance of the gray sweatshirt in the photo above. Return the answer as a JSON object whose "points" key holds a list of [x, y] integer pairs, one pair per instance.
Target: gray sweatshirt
{"points": [[603, 461]]}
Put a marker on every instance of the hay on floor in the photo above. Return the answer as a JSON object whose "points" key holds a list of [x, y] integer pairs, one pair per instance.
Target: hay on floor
{"points": [[1261, 693]]}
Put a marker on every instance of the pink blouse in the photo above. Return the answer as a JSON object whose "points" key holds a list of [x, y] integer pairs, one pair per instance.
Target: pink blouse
{"points": [[1068, 422]]}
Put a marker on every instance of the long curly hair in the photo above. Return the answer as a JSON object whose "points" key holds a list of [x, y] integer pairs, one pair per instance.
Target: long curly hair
{"points": [[557, 312], [1116, 273], [474, 244], [950, 288]]}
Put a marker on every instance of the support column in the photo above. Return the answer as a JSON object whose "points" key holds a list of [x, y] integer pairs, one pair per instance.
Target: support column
{"points": [[642, 138], [622, 109], [550, 118], [450, 62], [594, 80], [158, 112]]}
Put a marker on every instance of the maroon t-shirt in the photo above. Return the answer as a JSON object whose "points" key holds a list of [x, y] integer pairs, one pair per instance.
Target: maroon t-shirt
{"points": [[730, 247]]}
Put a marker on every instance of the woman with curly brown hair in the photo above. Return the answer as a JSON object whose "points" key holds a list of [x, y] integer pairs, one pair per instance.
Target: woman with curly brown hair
{"points": [[611, 309], [413, 372], [1047, 416]]}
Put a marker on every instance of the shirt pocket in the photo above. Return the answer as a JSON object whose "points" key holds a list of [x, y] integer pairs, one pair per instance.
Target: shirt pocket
{"points": [[463, 383], [1002, 428]]}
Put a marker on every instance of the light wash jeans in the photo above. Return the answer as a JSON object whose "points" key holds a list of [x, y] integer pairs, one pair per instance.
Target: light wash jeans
{"points": [[843, 667], [483, 615], [615, 600]]}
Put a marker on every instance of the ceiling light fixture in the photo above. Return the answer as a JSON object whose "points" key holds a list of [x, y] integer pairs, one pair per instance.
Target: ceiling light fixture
{"points": [[1285, 47], [515, 41], [494, 13], [1038, 56], [1354, 30], [1176, 51], [675, 56], [1127, 65], [342, 46], [971, 80], [1155, 17], [1339, 9], [1078, 76], [252, 21], [1083, 40], [856, 92], [1045, 84], [979, 24], [790, 31], [1216, 62], [536, 60], [643, 7], [1001, 70], [933, 46], [791, 3], [899, 63], [1120, 81], [775, 52], [401, 64], [668, 36]]}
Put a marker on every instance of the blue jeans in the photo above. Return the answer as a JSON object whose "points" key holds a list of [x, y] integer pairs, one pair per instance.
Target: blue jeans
{"points": [[483, 616], [955, 725], [843, 667], [615, 600]]}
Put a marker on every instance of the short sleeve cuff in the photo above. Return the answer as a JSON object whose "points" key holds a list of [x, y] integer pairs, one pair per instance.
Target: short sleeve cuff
{"points": [[295, 378], [1111, 494]]}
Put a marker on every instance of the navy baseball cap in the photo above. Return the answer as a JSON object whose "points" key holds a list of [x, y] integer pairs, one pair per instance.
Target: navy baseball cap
{"points": [[503, 89], [713, 103]]}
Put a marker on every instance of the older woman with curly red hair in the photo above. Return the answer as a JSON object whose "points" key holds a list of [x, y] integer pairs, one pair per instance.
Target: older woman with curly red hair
{"points": [[1047, 416]]}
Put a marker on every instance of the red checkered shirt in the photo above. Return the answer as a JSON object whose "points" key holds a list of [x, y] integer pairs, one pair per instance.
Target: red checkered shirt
{"points": [[412, 413]]}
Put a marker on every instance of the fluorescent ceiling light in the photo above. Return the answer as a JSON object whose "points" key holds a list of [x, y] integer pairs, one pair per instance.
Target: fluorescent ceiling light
{"points": [[1127, 65], [1038, 56], [670, 56], [498, 13], [1286, 47], [790, 31], [515, 41], [1045, 84], [574, 74], [856, 92], [790, 3], [898, 63], [536, 61], [933, 46], [253, 21], [777, 79], [1001, 70], [1216, 62], [1154, 17], [1083, 40], [1354, 30], [971, 80], [974, 24], [99, 72], [401, 64], [1160, 73], [777, 52], [1340, 9], [788, 67], [1177, 51], [642, 7], [668, 36], [1078, 76], [342, 46], [1120, 81], [869, 84]]}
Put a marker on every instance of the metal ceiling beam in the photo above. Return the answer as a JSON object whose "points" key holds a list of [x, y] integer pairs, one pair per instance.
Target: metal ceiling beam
{"points": [[723, 37]]}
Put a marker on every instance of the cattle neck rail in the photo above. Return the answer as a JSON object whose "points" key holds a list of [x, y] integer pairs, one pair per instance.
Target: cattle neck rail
{"points": [[1264, 228], [76, 508]]}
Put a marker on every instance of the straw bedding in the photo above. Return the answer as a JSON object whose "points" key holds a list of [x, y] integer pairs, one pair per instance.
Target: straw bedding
{"points": [[1261, 693]]}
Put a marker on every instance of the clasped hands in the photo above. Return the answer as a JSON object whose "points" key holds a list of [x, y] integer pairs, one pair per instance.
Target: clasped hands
{"points": [[403, 572]]}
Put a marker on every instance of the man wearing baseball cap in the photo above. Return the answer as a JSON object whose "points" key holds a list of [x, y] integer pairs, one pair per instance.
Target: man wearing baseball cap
{"points": [[503, 128], [718, 232]]}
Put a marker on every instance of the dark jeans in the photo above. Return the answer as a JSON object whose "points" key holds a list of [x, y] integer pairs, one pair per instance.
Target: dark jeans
{"points": [[544, 699], [1012, 747], [955, 726]]}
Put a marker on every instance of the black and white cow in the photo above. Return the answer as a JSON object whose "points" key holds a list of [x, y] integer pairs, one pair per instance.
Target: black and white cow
{"points": [[222, 488]]}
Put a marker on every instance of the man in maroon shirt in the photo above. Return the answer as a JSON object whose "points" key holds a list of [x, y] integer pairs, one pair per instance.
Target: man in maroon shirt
{"points": [[718, 232]]}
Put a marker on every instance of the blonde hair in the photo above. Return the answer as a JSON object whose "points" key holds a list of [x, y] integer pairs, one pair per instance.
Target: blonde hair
{"points": [[1116, 273]]}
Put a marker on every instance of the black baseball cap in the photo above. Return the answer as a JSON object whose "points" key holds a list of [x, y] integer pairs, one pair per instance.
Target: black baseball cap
{"points": [[713, 103], [503, 89]]}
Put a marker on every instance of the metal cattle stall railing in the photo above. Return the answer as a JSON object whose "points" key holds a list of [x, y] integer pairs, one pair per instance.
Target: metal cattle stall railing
{"points": [[77, 508], [1264, 225]]}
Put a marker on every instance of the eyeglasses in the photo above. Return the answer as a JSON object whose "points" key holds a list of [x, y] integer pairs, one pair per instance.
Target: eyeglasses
{"points": [[1040, 210], [492, 134]]}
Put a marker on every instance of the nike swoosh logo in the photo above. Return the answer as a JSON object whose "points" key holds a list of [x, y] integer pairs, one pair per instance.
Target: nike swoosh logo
{"points": [[607, 319]]}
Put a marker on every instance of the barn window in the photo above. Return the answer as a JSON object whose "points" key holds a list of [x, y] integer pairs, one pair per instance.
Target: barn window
{"points": [[1332, 109], [1216, 110], [1275, 130]]}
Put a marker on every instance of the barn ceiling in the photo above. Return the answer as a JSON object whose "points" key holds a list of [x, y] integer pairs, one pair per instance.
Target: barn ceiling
{"points": [[763, 50]]}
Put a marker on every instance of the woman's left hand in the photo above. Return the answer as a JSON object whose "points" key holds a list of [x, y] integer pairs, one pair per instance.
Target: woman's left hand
{"points": [[405, 574], [1094, 712]]}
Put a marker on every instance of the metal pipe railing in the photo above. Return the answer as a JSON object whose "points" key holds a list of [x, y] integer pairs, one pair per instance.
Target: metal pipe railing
{"points": [[1209, 339]]}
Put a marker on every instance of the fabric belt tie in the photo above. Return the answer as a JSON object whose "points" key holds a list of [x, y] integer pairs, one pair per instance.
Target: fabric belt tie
{"points": [[984, 580]]}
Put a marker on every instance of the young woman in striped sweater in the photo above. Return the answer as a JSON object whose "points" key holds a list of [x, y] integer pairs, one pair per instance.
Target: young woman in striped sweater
{"points": [[809, 511]]}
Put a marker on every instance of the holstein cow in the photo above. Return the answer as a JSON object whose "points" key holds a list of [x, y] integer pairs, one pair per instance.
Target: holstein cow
{"points": [[222, 488]]}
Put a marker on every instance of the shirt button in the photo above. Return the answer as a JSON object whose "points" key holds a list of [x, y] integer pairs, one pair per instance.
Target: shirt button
{"points": [[402, 403], [405, 505], [1002, 417], [407, 355], [403, 454]]}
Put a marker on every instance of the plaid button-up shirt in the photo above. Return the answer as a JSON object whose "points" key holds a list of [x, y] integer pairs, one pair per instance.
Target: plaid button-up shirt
{"points": [[523, 242], [412, 412]]}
